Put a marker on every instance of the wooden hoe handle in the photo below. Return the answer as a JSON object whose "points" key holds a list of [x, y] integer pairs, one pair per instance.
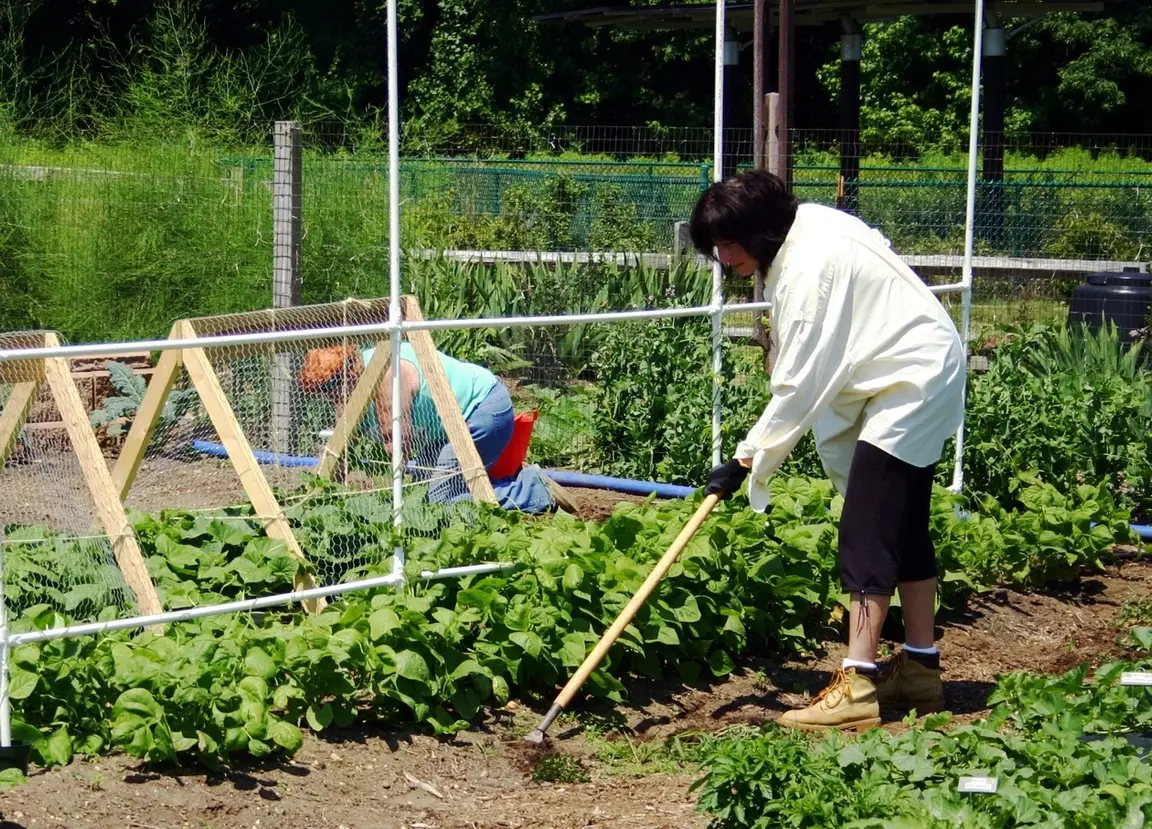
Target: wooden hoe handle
{"points": [[609, 638]]}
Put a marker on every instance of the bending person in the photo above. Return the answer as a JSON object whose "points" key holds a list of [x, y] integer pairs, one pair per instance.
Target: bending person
{"points": [[869, 359], [483, 399]]}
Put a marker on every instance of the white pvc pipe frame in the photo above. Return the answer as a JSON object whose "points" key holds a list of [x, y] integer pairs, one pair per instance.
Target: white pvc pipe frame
{"points": [[397, 326]]}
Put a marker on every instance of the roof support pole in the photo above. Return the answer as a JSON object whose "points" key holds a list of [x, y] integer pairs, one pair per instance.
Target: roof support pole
{"points": [[994, 94], [787, 26], [851, 47], [758, 42]]}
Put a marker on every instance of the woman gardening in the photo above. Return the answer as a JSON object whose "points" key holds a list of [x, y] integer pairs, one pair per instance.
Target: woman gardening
{"points": [[868, 358], [483, 399]]}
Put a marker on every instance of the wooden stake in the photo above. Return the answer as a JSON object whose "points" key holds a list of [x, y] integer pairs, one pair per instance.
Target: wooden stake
{"points": [[363, 393], [475, 475], [147, 416], [12, 416], [109, 508], [207, 385]]}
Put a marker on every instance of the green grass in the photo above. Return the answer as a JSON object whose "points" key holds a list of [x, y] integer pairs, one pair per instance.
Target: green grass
{"points": [[1135, 612], [109, 241]]}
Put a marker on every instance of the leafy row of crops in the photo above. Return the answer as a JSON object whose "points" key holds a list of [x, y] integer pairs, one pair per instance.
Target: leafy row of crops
{"points": [[435, 654], [1064, 751], [1068, 404]]}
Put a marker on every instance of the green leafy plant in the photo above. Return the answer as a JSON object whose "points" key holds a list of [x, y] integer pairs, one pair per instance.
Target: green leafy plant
{"points": [[433, 655], [1051, 777], [560, 768], [654, 380], [118, 411], [1055, 745], [1071, 407]]}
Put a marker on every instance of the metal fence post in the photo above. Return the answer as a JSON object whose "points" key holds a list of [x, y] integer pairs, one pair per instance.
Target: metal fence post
{"points": [[717, 269], [286, 234], [5, 701]]}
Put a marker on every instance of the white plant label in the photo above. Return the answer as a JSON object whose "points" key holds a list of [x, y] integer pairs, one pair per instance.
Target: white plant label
{"points": [[983, 785], [1136, 678]]}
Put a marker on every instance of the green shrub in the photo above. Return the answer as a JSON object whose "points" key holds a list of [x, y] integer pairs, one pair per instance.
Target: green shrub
{"points": [[433, 654], [1071, 406], [653, 401]]}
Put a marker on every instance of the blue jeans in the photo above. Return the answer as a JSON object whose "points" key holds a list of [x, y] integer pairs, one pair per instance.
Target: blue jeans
{"points": [[490, 425]]}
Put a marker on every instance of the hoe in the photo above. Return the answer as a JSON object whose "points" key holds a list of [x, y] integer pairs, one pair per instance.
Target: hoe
{"points": [[593, 659]]}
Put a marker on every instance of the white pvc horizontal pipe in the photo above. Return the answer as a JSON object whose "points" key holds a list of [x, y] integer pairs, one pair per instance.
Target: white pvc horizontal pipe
{"points": [[265, 338], [269, 337], [664, 261], [188, 614]]}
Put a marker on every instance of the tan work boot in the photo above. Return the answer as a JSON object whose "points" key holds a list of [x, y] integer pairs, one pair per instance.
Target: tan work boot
{"points": [[848, 702], [905, 683]]}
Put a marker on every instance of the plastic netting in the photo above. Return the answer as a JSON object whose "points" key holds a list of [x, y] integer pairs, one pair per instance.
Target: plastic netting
{"points": [[56, 551]]}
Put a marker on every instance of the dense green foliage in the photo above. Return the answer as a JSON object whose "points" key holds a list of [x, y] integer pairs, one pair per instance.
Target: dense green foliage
{"points": [[1058, 405], [1071, 406], [181, 66], [1055, 746], [652, 401], [433, 654], [116, 240]]}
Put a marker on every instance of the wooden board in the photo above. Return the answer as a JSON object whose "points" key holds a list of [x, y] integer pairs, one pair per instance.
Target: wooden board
{"points": [[346, 312], [228, 428], [144, 424], [21, 371], [363, 394], [12, 416], [475, 475], [109, 507]]}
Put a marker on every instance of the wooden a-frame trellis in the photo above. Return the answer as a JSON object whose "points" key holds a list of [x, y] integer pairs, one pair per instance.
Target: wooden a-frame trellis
{"points": [[26, 378], [198, 362]]}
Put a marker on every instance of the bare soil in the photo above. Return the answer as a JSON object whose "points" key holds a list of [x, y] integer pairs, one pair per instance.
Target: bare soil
{"points": [[367, 777], [49, 488]]}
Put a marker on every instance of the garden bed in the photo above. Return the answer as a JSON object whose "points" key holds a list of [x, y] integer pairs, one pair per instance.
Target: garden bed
{"points": [[357, 778]]}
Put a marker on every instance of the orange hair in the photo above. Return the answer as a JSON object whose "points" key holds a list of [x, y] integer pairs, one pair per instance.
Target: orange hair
{"points": [[324, 366]]}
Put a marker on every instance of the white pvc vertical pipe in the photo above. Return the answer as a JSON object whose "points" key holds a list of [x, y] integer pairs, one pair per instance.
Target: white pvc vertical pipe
{"points": [[969, 223], [717, 270], [5, 702], [394, 312]]}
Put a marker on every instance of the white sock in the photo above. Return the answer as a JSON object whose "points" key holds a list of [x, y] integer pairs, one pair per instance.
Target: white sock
{"points": [[926, 651], [855, 663]]}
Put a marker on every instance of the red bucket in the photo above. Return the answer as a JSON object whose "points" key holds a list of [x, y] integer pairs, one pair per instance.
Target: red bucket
{"points": [[510, 461]]}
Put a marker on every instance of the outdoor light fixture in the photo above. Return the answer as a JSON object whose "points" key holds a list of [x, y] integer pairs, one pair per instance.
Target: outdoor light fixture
{"points": [[731, 48]]}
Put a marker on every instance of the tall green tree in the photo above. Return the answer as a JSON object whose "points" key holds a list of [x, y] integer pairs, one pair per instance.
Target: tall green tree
{"points": [[217, 67], [1066, 73]]}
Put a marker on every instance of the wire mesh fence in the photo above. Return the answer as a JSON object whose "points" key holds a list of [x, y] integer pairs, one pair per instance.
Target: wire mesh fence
{"points": [[240, 476], [108, 243], [248, 467], [1071, 197], [55, 549]]}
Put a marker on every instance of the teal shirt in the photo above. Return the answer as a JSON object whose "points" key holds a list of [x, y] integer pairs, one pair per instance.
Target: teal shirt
{"points": [[470, 384]]}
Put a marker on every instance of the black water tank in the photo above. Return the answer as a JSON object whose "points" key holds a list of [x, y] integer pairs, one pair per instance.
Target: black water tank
{"points": [[1124, 299]]}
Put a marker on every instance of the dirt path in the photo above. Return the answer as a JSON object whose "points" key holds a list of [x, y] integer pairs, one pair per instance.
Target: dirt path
{"points": [[357, 780]]}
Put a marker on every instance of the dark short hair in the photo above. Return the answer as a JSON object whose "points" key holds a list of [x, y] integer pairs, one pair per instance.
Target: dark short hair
{"points": [[753, 209]]}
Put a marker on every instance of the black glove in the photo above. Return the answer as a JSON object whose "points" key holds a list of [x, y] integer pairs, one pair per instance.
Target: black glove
{"points": [[726, 479]]}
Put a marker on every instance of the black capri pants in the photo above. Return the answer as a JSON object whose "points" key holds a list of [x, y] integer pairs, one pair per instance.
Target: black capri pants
{"points": [[885, 535]]}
